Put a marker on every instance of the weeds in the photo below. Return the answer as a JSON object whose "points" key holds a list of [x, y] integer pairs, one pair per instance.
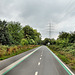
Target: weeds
{"points": [[66, 54], [6, 51]]}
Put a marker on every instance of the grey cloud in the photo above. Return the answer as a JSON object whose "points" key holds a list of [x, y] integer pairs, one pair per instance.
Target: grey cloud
{"points": [[38, 13]]}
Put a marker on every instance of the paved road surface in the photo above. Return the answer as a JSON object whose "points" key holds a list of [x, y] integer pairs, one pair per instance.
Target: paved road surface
{"points": [[41, 62]]}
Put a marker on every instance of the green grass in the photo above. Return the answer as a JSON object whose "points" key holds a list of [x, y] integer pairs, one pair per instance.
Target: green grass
{"points": [[63, 58], [66, 57]]}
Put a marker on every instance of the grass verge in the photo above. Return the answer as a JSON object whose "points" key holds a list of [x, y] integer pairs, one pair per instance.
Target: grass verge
{"points": [[16, 52], [65, 57]]}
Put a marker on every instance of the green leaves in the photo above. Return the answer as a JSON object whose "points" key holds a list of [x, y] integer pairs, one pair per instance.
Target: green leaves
{"points": [[69, 36], [28, 32], [31, 42], [13, 33], [24, 42], [4, 34], [32, 35]]}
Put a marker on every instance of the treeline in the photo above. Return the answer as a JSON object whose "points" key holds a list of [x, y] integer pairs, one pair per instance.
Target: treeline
{"points": [[12, 33], [64, 39]]}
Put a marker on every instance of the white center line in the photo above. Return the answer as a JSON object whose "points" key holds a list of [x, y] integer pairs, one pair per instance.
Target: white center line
{"points": [[36, 73], [38, 63], [40, 58]]}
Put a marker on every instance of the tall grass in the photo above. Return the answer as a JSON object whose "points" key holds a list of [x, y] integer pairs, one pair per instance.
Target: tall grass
{"points": [[6, 51], [66, 54]]}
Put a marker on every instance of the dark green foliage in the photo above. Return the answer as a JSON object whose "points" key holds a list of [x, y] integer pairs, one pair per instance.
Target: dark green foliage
{"points": [[11, 33], [64, 35], [62, 43], [15, 32], [47, 40], [30, 33], [37, 37], [72, 37], [4, 34], [69, 36]]}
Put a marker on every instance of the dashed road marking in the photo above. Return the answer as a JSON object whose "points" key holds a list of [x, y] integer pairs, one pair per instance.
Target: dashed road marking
{"points": [[36, 73], [38, 63], [40, 58]]}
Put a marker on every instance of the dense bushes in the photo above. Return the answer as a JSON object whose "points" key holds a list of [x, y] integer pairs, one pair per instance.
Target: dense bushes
{"points": [[67, 54], [65, 35], [24, 42], [63, 43], [68, 49], [12, 33]]}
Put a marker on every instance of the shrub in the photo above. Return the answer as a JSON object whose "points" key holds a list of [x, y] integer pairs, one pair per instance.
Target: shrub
{"points": [[1, 53], [24, 42], [72, 52], [31, 41], [62, 43], [3, 47]]}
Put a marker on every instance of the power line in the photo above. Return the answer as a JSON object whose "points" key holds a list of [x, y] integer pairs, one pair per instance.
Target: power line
{"points": [[67, 6], [67, 10]]}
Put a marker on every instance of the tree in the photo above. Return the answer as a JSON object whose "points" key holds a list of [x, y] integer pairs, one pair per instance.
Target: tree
{"points": [[15, 31], [67, 36], [4, 34], [37, 37], [52, 41], [64, 35], [72, 37], [12, 33], [62, 43], [46, 41], [28, 32]]}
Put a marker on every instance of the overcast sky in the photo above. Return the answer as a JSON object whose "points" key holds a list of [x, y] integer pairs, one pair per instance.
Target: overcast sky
{"points": [[39, 13]]}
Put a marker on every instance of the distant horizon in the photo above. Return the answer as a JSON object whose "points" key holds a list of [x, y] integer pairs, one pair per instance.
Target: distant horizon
{"points": [[39, 31]]}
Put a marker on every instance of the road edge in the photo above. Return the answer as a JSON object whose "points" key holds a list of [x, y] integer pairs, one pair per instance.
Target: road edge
{"points": [[11, 66], [63, 65]]}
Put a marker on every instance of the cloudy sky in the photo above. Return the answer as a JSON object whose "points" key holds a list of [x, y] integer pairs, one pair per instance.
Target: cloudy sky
{"points": [[40, 13]]}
